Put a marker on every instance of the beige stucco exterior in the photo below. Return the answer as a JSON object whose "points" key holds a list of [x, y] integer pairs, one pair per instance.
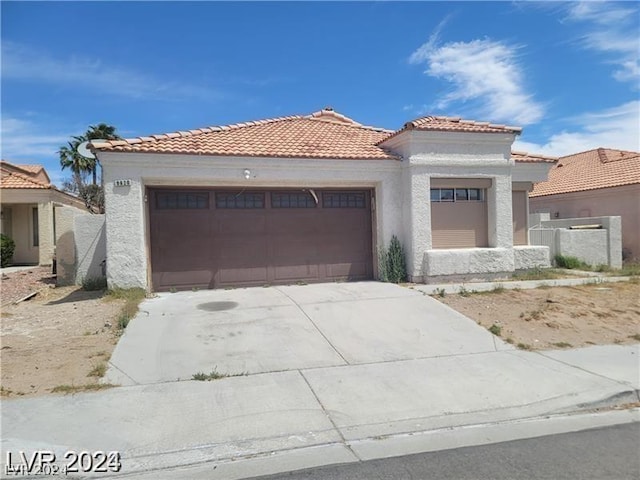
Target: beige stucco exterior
{"points": [[621, 201], [28, 218]]}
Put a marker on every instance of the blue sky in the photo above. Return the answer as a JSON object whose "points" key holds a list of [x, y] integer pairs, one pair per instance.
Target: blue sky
{"points": [[566, 72]]}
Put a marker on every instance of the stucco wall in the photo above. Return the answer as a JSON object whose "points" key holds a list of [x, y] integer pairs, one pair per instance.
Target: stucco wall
{"points": [[475, 262], [619, 201], [589, 246], [526, 257], [90, 239], [22, 234], [80, 245]]}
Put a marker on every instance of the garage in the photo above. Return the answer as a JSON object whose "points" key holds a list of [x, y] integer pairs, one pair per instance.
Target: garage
{"points": [[212, 238]]}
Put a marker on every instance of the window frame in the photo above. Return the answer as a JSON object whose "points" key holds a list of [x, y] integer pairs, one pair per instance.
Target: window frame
{"points": [[360, 199], [236, 195], [438, 198], [199, 195], [309, 201]]}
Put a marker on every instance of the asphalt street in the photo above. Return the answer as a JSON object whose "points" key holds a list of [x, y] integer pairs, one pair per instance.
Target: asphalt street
{"points": [[604, 454]]}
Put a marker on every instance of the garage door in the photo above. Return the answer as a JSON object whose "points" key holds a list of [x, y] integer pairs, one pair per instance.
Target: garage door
{"points": [[210, 238]]}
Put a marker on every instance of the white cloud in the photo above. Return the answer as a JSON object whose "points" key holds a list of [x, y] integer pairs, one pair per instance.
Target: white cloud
{"points": [[24, 63], [25, 141], [617, 127], [611, 29], [484, 72]]}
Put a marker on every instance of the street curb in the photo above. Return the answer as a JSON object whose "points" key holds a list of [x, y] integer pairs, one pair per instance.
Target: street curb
{"points": [[269, 463], [442, 436]]}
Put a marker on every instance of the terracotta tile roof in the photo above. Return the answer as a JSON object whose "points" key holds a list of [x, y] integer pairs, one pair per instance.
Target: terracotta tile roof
{"points": [[590, 170], [323, 134], [526, 157], [13, 178], [454, 124], [31, 168]]}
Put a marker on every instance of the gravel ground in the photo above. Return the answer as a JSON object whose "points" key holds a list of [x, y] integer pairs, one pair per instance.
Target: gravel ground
{"points": [[17, 285]]}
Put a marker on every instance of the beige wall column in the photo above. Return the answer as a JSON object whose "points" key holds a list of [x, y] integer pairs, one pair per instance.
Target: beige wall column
{"points": [[45, 227]]}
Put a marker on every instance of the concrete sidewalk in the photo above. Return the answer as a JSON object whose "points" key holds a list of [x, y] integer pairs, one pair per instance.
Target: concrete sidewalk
{"points": [[264, 423], [593, 277]]}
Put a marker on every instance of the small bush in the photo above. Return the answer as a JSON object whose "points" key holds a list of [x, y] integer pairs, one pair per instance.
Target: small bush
{"points": [[524, 346], [572, 263], [98, 371], [562, 345], [463, 291], [440, 292], [392, 264], [8, 246], [495, 329]]}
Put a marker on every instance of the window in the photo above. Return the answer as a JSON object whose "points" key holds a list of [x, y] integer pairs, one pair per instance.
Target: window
{"points": [[446, 194], [292, 200], [182, 200], [461, 194], [457, 195], [343, 200], [36, 228], [240, 200]]}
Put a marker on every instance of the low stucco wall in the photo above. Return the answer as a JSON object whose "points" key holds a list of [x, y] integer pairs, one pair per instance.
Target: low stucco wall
{"points": [[91, 247], [595, 247], [527, 256], [467, 261], [80, 245], [589, 246]]}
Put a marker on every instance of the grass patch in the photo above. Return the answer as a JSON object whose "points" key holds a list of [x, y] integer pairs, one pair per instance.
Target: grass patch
{"points": [[88, 387], [132, 298], [440, 292], [572, 263], [93, 284], [510, 340], [463, 291], [495, 329], [635, 337], [215, 375], [628, 270], [536, 273], [524, 346], [562, 345], [98, 370], [5, 392]]}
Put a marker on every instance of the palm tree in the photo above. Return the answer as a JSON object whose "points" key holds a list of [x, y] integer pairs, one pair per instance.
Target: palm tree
{"points": [[70, 158]]}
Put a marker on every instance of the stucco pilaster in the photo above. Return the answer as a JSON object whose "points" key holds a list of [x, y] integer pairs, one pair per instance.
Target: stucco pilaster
{"points": [[417, 211], [45, 228], [499, 212]]}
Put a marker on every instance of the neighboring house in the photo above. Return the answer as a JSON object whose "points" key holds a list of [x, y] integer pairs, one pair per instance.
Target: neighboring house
{"points": [[27, 211], [314, 198], [595, 183]]}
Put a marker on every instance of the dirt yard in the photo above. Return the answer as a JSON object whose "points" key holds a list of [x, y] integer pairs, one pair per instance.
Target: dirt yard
{"points": [[557, 317], [60, 338]]}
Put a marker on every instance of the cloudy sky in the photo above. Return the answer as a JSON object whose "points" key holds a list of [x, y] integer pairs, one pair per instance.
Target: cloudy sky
{"points": [[567, 72]]}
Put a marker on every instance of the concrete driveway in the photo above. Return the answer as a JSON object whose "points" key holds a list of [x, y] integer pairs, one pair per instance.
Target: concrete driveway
{"points": [[273, 329]]}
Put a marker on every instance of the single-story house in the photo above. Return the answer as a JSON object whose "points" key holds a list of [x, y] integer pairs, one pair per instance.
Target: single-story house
{"points": [[314, 198], [27, 202], [595, 183]]}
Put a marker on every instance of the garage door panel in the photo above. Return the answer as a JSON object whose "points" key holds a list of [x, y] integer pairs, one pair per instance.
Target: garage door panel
{"points": [[236, 245], [241, 276], [184, 278], [240, 223], [294, 272]]}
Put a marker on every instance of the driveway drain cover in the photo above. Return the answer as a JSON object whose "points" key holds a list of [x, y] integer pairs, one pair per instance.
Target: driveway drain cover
{"points": [[217, 306]]}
